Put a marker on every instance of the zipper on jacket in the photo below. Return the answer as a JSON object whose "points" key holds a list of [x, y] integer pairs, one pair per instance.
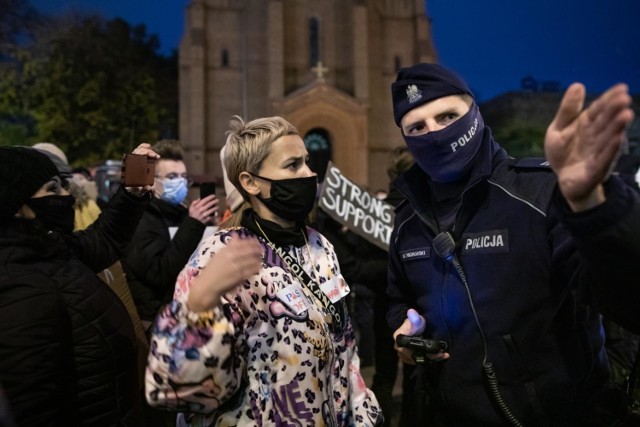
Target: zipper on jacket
{"points": [[444, 372]]}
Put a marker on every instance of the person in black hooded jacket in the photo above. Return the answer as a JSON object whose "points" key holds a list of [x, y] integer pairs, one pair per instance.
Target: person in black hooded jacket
{"points": [[513, 262], [67, 344], [167, 235]]}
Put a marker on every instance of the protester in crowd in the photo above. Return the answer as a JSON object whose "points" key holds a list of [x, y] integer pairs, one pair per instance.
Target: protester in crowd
{"points": [[84, 189], [511, 262], [257, 333], [155, 256], [56, 151], [83, 177], [85, 206], [86, 212], [67, 344]]}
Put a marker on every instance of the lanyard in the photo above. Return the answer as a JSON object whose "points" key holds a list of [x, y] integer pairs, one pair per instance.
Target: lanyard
{"points": [[336, 311]]}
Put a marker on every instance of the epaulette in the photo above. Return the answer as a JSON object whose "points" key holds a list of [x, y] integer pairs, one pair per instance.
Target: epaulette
{"points": [[530, 163]]}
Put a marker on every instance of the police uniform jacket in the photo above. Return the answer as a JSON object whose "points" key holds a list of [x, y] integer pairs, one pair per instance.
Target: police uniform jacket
{"points": [[538, 276]]}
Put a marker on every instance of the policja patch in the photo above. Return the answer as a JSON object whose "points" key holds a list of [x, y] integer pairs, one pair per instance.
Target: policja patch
{"points": [[485, 242]]}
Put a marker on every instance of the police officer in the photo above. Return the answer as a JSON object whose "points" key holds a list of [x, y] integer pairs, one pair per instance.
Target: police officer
{"points": [[511, 262]]}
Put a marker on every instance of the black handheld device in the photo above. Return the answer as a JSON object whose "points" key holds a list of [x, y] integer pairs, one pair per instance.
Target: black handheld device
{"points": [[207, 188], [421, 346]]}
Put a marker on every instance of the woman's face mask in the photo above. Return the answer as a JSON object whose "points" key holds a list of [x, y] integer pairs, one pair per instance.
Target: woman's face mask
{"points": [[292, 198]]}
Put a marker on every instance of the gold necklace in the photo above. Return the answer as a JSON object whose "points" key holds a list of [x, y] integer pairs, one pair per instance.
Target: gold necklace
{"points": [[263, 233], [306, 242]]}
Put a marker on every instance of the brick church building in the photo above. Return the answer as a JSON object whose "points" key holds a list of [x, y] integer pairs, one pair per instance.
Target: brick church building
{"points": [[324, 65]]}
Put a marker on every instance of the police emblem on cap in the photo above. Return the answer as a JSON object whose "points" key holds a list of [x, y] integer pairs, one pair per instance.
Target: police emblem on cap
{"points": [[413, 94]]}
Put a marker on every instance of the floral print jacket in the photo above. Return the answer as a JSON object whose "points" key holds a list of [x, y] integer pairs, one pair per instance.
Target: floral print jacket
{"points": [[266, 356]]}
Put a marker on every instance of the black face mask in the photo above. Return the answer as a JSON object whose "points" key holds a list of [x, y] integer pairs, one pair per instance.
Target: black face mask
{"points": [[447, 155], [55, 212], [291, 199]]}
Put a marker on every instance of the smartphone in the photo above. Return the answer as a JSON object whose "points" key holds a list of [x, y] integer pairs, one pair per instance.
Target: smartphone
{"points": [[137, 170], [207, 188]]}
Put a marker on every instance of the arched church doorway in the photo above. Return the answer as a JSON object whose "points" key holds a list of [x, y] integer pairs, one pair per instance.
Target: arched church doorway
{"points": [[318, 144]]}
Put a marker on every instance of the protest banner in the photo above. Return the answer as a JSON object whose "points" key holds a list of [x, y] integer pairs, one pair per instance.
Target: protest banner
{"points": [[353, 206]]}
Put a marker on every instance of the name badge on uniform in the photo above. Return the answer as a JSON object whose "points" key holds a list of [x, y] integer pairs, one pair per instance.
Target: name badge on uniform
{"points": [[415, 253], [294, 298], [336, 288]]}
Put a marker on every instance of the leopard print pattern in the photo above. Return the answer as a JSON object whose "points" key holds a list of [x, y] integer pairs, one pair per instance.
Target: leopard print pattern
{"points": [[258, 359]]}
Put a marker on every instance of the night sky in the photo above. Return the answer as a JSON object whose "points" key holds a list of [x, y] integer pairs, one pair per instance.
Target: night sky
{"points": [[493, 44]]}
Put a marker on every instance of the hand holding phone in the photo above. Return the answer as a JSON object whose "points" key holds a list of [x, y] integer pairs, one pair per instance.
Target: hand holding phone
{"points": [[137, 170], [203, 210], [207, 188]]}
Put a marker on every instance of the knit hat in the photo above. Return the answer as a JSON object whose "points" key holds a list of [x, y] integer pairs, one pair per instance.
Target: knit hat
{"points": [[234, 199], [422, 83], [23, 170]]}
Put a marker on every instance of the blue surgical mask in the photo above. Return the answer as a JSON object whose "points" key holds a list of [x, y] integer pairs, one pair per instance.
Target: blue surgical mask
{"points": [[447, 155], [174, 190]]}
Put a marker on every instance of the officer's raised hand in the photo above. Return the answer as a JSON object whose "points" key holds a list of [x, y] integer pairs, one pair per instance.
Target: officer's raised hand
{"points": [[582, 145]]}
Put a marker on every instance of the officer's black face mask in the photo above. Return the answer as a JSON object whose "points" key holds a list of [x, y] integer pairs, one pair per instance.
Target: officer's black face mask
{"points": [[447, 155]]}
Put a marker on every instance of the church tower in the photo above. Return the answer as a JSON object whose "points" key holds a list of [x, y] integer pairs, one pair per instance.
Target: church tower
{"points": [[324, 65]]}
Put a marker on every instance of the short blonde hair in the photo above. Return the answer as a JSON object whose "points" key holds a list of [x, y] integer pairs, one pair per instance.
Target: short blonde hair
{"points": [[249, 144]]}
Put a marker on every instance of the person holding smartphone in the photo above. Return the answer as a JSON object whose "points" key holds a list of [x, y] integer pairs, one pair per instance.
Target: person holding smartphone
{"points": [[168, 233], [67, 344]]}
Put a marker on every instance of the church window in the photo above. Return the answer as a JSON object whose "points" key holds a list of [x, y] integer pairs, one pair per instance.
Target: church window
{"points": [[314, 41], [224, 60], [318, 144]]}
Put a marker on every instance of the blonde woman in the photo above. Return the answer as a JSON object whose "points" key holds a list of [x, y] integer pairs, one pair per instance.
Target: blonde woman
{"points": [[258, 333]]}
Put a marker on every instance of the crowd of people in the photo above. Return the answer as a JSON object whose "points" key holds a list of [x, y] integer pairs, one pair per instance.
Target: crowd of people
{"points": [[499, 274]]}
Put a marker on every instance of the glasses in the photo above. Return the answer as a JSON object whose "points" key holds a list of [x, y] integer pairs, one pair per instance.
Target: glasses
{"points": [[173, 175]]}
